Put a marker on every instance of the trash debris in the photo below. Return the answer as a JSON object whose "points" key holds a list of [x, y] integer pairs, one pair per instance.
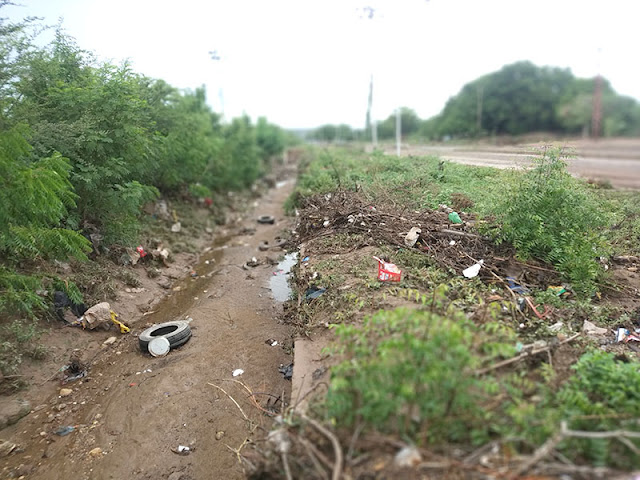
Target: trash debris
{"points": [[176, 332], [286, 371], [96, 452], [314, 292], [266, 219], [280, 440], [515, 287], [388, 272], [159, 347], [64, 430], [252, 263], [96, 316], [557, 290], [407, 457], [557, 326], [141, 252], [305, 259], [122, 326], [473, 270], [237, 372], [65, 392], [7, 448], [61, 301], [454, 217], [271, 342], [219, 434], [176, 227], [452, 243], [325, 224], [412, 236], [182, 450], [623, 335], [444, 208], [591, 329], [74, 370]]}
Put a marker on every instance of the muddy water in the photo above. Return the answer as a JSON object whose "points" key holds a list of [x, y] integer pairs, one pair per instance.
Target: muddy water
{"points": [[279, 282], [189, 290]]}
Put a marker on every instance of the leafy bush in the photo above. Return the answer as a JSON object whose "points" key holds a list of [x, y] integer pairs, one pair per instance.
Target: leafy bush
{"points": [[412, 372], [550, 215]]}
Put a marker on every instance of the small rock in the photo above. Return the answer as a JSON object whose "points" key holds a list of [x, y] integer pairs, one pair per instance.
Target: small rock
{"points": [[407, 457], [175, 476], [12, 411], [219, 435], [65, 392], [591, 329], [24, 470], [109, 341], [96, 452]]}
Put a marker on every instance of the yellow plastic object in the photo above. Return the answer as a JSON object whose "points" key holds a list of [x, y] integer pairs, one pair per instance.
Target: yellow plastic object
{"points": [[123, 327]]}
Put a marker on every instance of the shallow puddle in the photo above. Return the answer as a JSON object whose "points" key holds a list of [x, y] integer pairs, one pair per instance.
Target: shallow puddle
{"points": [[191, 288], [279, 282]]}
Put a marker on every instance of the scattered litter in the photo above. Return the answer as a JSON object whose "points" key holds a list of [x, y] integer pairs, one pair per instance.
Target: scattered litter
{"points": [[182, 450], [61, 301], [122, 326], [96, 452], [452, 243], [237, 372], [7, 448], [266, 219], [159, 347], [305, 259], [412, 236], [515, 287], [388, 272], [325, 224], [65, 430], [623, 335], [557, 326], [176, 227], [271, 342], [98, 315], [253, 262], [557, 290], [74, 370], [473, 270], [454, 217], [314, 292], [444, 208], [407, 457], [109, 341], [591, 329], [141, 252], [65, 392], [286, 371], [219, 434]]}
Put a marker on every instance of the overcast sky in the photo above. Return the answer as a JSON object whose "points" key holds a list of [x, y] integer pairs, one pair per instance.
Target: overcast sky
{"points": [[303, 63]]}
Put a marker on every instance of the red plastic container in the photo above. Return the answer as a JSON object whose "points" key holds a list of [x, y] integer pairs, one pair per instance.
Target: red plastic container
{"points": [[388, 272]]}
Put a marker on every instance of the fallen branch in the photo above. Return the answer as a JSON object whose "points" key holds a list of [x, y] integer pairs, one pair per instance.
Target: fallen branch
{"points": [[509, 361], [455, 232], [337, 449], [232, 399]]}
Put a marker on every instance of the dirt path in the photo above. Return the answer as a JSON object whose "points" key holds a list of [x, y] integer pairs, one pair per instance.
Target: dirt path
{"points": [[136, 408], [613, 160]]}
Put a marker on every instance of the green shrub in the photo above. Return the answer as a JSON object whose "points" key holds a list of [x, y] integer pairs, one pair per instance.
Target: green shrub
{"points": [[412, 372], [550, 215]]}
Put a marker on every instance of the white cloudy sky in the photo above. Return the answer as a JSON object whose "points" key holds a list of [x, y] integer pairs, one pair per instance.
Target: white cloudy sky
{"points": [[303, 63]]}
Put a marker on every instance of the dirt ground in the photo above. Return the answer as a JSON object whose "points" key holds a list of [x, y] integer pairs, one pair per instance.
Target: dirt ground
{"points": [[615, 160], [133, 410]]}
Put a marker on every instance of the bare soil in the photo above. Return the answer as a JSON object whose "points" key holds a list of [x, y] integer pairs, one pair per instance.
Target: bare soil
{"points": [[615, 160], [133, 411]]}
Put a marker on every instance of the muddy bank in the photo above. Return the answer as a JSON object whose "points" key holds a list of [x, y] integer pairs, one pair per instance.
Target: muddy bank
{"points": [[132, 411]]}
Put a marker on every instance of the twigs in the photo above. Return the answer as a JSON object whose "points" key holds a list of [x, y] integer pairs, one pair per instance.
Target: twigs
{"points": [[509, 361], [232, 399], [337, 449]]}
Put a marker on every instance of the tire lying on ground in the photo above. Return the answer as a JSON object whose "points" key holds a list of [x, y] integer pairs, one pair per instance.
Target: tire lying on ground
{"points": [[177, 333], [267, 219]]}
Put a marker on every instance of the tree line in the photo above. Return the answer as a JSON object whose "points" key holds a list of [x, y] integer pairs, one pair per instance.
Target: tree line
{"points": [[84, 145], [518, 99]]}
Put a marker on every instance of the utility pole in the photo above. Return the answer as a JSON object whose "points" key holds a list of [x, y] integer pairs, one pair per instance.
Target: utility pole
{"points": [[213, 54], [368, 13], [596, 113], [398, 130], [480, 95]]}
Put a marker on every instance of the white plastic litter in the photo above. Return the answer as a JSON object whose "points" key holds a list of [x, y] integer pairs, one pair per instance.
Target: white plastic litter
{"points": [[412, 237], [237, 372], [473, 270]]}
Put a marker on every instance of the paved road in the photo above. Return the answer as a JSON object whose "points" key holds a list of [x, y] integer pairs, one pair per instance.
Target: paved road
{"points": [[617, 160]]}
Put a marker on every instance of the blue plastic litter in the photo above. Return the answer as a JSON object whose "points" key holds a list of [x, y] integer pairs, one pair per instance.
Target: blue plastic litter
{"points": [[516, 288]]}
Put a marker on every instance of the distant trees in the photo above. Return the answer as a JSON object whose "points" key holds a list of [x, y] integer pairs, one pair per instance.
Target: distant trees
{"points": [[519, 98]]}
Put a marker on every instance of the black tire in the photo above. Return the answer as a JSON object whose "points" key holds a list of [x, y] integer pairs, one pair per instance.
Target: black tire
{"points": [[178, 333], [267, 219]]}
